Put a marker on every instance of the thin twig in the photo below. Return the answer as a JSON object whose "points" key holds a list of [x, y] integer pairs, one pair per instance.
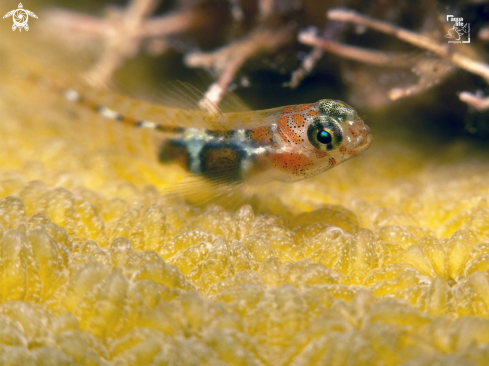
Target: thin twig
{"points": [[387, 28], [430, 71], [416, 39], [226, 61], [476, 101], [78, 25], [122, 41], [174, 22], [331, 31], [355, 53], [124, 31], [74, 24]]}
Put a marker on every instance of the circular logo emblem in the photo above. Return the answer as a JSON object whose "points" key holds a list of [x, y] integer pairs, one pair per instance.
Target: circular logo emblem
{"points": [[20, 18]]}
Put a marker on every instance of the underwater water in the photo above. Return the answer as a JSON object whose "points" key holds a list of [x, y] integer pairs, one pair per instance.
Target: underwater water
{"points": [[382, 260]]}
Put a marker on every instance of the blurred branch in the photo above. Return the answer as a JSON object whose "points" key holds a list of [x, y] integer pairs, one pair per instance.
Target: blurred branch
{"points": [[122, 40], [464, 62], [123, 32], [355, 53], [264, 28], [81, 26], [477, 101], [226, 61], [430, 72], [331, 31], [416, 39]]}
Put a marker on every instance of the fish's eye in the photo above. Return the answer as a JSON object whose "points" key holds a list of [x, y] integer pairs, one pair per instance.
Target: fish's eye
{"points": [[324, 133], [324, 137]]}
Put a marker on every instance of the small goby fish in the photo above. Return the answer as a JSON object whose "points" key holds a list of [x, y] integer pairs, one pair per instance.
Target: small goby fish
{"points": [[286, 143]]}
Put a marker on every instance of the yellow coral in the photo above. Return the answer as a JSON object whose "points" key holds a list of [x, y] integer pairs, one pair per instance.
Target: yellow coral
{"points": [[388, 266]]}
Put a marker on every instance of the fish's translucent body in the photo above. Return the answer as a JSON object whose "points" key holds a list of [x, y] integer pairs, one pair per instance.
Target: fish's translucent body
{"points": [[286, 143]]}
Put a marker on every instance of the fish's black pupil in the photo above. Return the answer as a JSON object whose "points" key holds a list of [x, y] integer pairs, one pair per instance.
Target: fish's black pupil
{"points": [[324, 137]]}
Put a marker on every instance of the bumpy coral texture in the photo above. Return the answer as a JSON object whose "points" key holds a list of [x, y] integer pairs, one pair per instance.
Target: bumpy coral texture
{"points": [[381, 261]]}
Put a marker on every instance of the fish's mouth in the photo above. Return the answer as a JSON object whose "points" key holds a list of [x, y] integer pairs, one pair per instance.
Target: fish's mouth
{"points": [[366, 141], [367, 129]]}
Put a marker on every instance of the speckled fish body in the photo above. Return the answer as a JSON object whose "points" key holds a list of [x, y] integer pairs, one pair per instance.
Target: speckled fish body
{"points": [[275, 144], [287, 143]]}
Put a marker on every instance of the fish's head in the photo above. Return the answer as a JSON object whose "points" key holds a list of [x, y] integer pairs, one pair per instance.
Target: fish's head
{"points": [[312, 138], [335, 134]]}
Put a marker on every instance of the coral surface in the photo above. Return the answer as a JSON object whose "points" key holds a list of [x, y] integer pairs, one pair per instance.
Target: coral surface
{"points": [[383, 260]]}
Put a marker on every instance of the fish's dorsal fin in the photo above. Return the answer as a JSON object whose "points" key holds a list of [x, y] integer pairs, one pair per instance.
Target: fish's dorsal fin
{"points": [[179, 94]]}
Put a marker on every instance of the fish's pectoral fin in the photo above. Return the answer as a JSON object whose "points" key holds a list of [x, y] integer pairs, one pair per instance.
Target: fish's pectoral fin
{"points": [[203, 192]]}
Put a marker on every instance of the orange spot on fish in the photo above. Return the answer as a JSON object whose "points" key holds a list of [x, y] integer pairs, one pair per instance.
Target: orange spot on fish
{"points": [[282, 122], [287, 110], [302, 107], [320, 154], [342, 149], [353, 133], [352, 153], [298, 120], [332, 161], [262, 134], [293, 163], [312, 113], [286, 130]]}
